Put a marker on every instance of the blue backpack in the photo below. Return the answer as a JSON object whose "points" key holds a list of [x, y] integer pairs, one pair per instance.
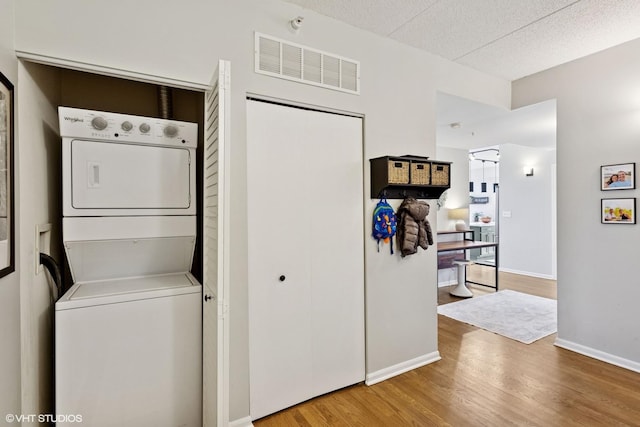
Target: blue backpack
{"points": [[384, 223]]}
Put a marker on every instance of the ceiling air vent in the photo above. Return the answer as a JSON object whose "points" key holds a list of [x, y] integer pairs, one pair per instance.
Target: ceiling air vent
{"points": [[280, 58]]}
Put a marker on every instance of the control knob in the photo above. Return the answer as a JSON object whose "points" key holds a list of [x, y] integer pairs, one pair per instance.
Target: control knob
{"points": [[170, 131], [126, 126], [99, 123], [145, 128]]}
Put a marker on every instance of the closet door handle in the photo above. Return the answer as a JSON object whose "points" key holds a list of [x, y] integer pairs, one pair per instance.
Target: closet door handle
{"points": [[208, 297], [282, 278]]}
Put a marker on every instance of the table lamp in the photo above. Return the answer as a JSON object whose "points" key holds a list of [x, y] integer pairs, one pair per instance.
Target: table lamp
{"points": [[460, 215]]}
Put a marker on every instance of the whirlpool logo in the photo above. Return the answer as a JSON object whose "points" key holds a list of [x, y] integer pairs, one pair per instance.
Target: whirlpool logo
{"points": [[73, 119]]}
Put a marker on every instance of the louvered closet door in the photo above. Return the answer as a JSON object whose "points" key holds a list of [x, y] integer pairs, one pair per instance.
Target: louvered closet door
{"points": [[306, 265], [215, 328]]}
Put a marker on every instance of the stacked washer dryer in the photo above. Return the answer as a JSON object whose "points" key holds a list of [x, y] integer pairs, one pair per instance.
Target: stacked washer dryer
{"points": [[128, 332]]}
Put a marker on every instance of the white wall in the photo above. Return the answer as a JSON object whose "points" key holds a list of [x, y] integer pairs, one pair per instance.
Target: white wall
{"points": [[39, 161], [458, 194], [526, 238], [10, 285], [598, 104], [399, 86], [171, 40]]}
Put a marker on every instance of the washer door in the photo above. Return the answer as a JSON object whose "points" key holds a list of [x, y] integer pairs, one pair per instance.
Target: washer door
{"points": [[107, 175]]}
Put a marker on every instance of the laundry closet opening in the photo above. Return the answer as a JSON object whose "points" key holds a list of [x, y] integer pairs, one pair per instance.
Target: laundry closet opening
{"points": [[89, 91], [43, 89]]}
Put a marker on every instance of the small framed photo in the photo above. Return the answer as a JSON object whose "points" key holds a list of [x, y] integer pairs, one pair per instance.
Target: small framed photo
{"points": [[618, 177], [618, 211]]}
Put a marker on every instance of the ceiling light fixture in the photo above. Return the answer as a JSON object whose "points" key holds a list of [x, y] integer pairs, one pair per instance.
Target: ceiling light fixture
{"points": [[475, 153]]}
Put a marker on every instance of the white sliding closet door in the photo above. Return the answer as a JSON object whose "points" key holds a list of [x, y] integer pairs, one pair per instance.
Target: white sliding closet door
{"points": [[306, 260]]}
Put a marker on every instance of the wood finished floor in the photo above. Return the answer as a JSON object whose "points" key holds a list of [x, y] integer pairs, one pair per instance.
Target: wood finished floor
{"points": [[484, 379]]}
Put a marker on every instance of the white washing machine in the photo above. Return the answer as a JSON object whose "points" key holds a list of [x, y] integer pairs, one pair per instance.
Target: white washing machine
{"points": [[129, 331]]}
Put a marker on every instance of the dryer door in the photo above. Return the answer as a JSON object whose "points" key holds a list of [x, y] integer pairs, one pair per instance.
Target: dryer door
{"points": [[126, 177]]}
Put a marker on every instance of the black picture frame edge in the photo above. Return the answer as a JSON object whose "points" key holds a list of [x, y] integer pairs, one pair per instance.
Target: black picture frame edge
{"points": [[10, 268], [633, 183], [602, 221]]}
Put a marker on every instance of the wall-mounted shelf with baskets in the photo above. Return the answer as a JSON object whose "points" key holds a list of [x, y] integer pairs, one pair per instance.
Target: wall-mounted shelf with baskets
{"points": [[397, 177]]}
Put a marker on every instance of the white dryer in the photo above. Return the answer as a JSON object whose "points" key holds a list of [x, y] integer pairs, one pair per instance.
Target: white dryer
{"points": [[129, 331]]}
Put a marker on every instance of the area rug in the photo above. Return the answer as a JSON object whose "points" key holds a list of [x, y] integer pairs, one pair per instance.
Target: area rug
{"points": [[522, 317]]}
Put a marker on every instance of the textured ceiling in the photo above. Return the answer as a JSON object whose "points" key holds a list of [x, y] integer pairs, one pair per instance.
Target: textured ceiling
{"points": [[505, 38]]}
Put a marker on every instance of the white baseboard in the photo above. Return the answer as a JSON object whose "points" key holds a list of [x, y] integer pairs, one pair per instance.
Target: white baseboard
{"points": [[527, 273], [401, 368], [241, 422], [447, 283], [597, 354], [447, 277]]}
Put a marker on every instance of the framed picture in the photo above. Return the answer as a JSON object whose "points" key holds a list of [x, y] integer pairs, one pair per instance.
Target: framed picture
{"points": [[618, 177], [7, 228], [618, 211]]}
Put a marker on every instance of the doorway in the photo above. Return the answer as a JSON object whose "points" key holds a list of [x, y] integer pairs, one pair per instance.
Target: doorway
{"points": [[524, 207], [44, 88]]}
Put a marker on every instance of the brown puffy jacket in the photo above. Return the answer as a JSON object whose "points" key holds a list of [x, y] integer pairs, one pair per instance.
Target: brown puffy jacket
{"points": [[413, 227]]}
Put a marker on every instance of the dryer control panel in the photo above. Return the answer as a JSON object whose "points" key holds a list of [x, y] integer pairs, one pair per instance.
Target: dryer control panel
{"points": [[107, 126]]}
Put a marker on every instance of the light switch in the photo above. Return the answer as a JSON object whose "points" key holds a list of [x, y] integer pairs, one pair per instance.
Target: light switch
{"points": [[506, 214]]}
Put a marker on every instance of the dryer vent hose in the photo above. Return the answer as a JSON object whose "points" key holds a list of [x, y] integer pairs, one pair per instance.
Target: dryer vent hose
{"points": [[165, 102], [53, 268]]}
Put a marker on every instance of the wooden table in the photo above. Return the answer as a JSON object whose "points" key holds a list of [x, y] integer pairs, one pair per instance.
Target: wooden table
{"points": [[465, 245]]}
